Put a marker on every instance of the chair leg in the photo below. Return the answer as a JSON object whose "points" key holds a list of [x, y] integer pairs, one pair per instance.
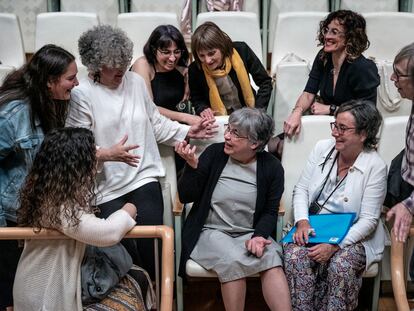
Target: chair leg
{"points": [[376, 290], [178, 280]]}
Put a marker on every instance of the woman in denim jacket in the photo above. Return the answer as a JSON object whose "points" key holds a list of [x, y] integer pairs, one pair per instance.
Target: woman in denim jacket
{"points": [[33, 101]]}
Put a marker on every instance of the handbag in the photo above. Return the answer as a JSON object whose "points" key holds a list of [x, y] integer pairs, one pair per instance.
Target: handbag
{"points": [[397, 188], [101, 270]]}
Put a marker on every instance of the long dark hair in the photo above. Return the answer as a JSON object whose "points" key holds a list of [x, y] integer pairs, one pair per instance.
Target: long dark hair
{"points": [[162, 37], [61, 181], [30, 83]]}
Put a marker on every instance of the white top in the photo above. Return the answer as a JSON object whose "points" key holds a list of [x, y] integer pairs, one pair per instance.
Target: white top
{"points": [[111, 114], [364, 194], [48, 274]]}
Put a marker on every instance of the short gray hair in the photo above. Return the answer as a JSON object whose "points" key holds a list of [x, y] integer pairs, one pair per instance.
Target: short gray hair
{"points": [[367, 119], [406, 52], [255, 124], [105, 45]]}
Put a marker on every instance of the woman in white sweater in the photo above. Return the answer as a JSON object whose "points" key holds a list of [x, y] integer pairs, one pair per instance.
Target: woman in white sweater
{"points": [[58, 194], [342, 175]]}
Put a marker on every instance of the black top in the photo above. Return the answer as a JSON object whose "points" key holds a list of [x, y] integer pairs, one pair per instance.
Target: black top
{"points": [[199, 89], [168, 89], [197, 185], [358, 79]]}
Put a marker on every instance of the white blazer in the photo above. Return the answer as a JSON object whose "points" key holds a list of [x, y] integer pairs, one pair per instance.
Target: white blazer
{"points": [[364, 193]]}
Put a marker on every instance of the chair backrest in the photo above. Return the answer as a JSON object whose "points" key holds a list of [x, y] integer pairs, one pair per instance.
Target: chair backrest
{"points": [[248, 6], [63, 29], [296, 153], [4, 71], [173, 6], [369, 5], [139, 25], [392, 138], [283, 6], [202, 144], [396, 25], [240, 26], [11, 43], [107, 10], [296, 33]]}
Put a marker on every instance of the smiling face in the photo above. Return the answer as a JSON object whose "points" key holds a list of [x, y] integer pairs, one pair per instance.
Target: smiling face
{"points": [[403, 80], [238, 146], [60, 89], [346, 137], [334, 37], [167, 58], [111, 77], [213, 58]]}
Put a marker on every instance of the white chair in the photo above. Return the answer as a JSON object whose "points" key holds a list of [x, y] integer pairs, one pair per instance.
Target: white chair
{"points": [[296, 33], [11, 43], [172, 6], [4, 71], [283, 6], [396, 25], [26, 12], [107, 10], [64, 29], [139, 25], [369, 5], [240, 26]]}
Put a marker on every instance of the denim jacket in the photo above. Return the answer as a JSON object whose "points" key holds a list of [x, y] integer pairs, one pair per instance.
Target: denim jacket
{"points": [[19, 142]]}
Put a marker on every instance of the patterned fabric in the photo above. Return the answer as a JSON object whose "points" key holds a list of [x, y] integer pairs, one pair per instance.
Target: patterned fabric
{"points": [[331, 286], [407, 167]]}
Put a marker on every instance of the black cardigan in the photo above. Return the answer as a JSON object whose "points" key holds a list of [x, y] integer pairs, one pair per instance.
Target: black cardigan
{"points": [[197, 185], [199, 90]]}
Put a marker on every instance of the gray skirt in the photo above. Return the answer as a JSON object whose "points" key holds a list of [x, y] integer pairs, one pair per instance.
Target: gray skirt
{"points": [[228, 257]]}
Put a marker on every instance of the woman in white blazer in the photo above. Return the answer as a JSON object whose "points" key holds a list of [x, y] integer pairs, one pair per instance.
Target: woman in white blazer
{"points": [[342, 175]]}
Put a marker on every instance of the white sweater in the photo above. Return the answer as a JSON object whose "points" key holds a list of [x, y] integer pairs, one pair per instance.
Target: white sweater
{"points": [[111, 114], [48, 274]]}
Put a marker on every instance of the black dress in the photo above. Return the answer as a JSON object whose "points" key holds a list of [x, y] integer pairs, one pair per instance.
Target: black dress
{"points": [[358, 79], [168, 89]]}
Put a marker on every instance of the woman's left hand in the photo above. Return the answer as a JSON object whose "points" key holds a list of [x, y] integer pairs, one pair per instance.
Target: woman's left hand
{"points": [[257, 245], [322, 252], [321, 109], [204, 129]]}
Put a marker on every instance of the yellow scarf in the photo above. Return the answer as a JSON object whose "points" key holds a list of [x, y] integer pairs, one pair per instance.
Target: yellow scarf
{"points": [[235, 62]]}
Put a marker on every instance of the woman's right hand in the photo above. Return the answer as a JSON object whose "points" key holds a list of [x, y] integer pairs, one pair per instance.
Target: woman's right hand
{"points": [[131, 209], [187, 152], [191, 119], [207, 114], [301, 236], [119, 153], [292, 124]]}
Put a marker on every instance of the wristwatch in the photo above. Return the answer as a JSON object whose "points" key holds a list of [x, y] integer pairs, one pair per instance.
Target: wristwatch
{"points": [[332, 109]]}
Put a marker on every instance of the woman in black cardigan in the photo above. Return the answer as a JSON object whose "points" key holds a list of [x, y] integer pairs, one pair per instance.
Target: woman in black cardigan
{"points": [[236, 189], [219, 77]]}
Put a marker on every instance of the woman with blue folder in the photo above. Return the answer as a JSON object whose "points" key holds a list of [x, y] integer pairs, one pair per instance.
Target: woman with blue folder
{"points": [[342, 175]]}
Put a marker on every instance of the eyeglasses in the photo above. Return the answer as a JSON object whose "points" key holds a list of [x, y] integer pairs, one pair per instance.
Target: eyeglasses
{"points": [[333, 32], [177, 53], [341, 129], [399, 75], [233, 132]]}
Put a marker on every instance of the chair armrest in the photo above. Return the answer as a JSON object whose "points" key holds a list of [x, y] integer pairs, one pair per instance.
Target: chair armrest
{"points": [[178, 206], [281, 211]]}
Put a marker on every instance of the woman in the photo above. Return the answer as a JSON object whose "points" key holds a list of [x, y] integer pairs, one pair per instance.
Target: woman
{"points": [[57, 194], [33, 101], [340, 72], [115, 103], [236, 188], [342, 175], [403, 78], [164, 69], [219, 76]]}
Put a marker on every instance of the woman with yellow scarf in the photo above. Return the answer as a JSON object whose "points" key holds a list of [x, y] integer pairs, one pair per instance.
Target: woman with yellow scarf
{"points": [[219, 76]]}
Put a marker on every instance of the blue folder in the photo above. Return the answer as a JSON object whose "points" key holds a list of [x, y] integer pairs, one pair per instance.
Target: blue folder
{"points": [[329, 228]]}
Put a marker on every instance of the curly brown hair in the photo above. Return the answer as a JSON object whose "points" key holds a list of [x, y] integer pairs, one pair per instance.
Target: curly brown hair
{"points": [[355, 32], [61, 181]]}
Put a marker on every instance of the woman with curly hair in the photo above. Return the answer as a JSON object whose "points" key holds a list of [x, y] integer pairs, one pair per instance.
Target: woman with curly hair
{"points": [[58, 194], [33, 101], [340, 72], [115, 103], [164, 69]]}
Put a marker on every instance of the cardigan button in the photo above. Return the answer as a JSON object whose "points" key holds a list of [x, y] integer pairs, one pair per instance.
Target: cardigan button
{"points": [[351, 169], [346, 199]]}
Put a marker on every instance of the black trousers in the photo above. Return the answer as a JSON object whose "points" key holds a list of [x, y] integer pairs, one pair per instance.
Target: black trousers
{"points": [[150, 209], [10, 253]]}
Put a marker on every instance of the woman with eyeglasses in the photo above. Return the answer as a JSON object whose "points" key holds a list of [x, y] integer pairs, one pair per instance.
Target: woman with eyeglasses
{"points": [[219, 76], [342, 175], [340, 72], [236, 188], [403, 211], [164, 69]]}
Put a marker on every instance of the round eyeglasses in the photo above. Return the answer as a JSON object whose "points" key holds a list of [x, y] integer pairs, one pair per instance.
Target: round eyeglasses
{"points": [[341, 129], [233, 132]]}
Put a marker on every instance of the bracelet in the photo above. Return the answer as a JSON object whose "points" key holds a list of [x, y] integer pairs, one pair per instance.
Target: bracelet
{"points": [[297, 107]]}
